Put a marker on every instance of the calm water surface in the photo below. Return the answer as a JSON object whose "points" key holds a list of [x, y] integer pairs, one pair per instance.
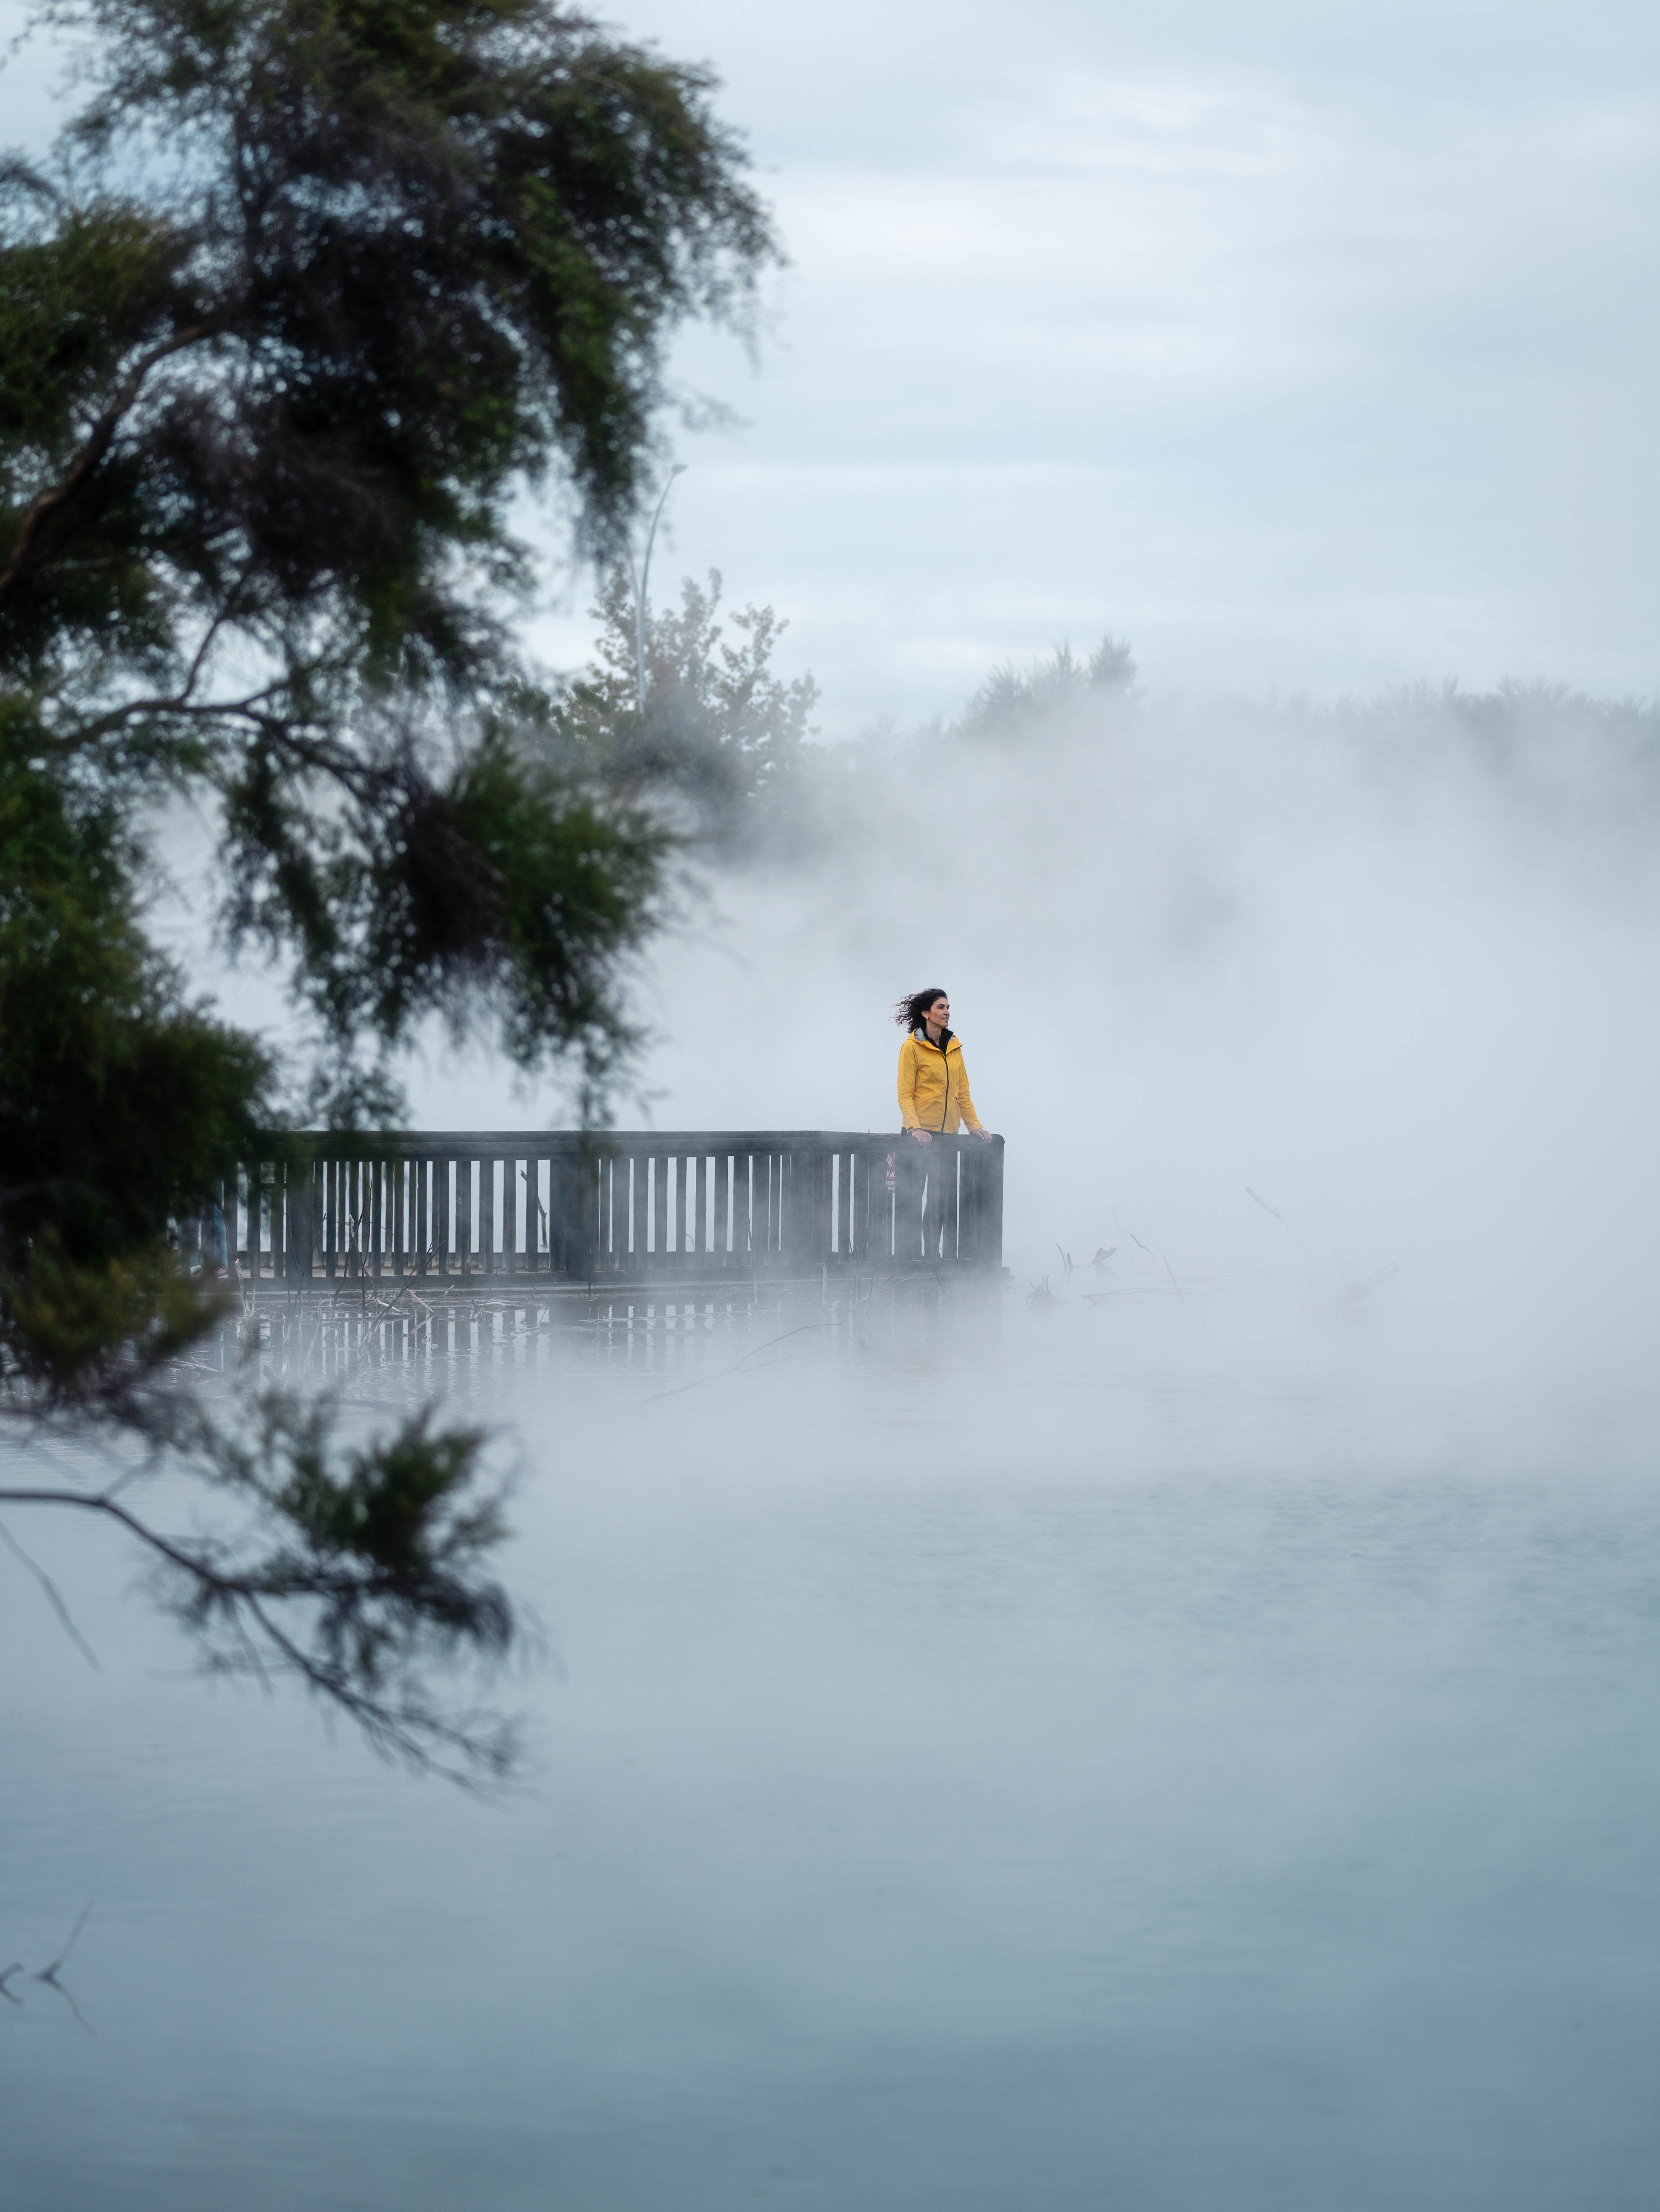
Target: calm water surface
{"points": [[1074, 1770]]}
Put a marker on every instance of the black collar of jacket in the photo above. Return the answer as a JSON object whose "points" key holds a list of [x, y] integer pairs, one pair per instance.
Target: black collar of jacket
{"points": [[946, 1037]]}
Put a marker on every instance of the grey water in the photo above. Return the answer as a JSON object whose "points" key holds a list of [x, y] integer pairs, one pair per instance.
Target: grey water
{"points": [[1089, 1755]]}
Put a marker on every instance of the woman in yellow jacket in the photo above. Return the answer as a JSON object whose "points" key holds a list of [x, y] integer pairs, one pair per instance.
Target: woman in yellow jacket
{"points": [[934, 1097], [934, 1101]]}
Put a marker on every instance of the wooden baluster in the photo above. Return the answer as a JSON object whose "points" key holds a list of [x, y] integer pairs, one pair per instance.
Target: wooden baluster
{"points": [[723, 1197], [792, 1189], [991, 1251], [293, 1196], [971, 1229], [273, 1173], [561, 1195]]}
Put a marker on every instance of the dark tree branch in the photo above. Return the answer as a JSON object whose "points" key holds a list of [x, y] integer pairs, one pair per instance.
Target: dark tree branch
{"points": [[98, 442], [54, 1598], [246, 708], [396, 1716]]}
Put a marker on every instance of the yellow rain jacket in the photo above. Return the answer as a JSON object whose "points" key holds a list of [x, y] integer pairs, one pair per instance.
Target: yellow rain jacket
{"points": [[934, 1084]]}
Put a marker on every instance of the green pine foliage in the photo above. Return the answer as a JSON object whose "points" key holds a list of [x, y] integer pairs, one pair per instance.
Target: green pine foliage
{"points": [[313, 292]]}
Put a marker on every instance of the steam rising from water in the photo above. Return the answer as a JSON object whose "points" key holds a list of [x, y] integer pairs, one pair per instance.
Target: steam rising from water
{"points": [[1393, 969], [1189, 1744]]}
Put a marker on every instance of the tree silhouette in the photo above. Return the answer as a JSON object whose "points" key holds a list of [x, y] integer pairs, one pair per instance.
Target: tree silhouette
{"points": [[309, 294]]}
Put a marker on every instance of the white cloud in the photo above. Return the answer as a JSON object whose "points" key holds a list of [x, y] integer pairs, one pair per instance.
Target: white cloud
{"points": [[1307, 348]]}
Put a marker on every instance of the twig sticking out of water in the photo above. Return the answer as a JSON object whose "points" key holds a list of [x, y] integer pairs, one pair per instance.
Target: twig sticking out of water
{"points": [[1102, 1256], [1357, 1293], [1274, 1210], [806, 1328], [49, 1974], [533, 1192]]}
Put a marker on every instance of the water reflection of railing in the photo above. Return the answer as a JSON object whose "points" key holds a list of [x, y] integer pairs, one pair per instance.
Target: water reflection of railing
{"points": [[492, 1209]]}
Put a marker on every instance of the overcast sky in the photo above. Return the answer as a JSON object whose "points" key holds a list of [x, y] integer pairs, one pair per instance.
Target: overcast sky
{"points": [[1302, 347]]}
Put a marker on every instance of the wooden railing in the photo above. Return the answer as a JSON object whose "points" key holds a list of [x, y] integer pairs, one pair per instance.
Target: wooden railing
{"points": [[470, 1208]]}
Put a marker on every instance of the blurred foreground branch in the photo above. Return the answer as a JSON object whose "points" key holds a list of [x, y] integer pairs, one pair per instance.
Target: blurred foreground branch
{"points": [[358, 1572]]}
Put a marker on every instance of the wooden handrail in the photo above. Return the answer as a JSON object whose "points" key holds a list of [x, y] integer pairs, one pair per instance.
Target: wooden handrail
{"points": [[478, 1208]]}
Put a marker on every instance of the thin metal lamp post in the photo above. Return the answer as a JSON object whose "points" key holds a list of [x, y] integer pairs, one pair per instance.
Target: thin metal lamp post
{"points": [[642, 579]]}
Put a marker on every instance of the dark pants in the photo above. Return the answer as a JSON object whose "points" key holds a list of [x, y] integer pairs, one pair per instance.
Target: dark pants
{"points": [[925, 1176]]}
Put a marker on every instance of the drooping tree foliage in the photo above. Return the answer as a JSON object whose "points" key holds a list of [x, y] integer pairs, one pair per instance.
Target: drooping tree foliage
{"points": [[313, 292]]}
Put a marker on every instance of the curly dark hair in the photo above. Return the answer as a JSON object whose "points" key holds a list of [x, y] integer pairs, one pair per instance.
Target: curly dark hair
{"points": [[910, 1011]]}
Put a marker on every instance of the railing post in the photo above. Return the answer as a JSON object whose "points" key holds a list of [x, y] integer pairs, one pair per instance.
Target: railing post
{"points": [[580, 1198], [723, 1188], [297, 1241]]}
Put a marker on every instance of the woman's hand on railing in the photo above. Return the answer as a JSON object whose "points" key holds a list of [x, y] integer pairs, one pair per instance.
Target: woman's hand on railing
{"points": [[922, 1136], [985, 1135]]}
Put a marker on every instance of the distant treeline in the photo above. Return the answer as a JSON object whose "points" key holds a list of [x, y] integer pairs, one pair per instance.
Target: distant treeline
{"points": [[724, 748]]}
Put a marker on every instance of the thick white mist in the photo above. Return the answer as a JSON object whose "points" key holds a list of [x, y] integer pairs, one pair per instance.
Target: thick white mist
{"points": [[1395, 980], [1188, 1750]]}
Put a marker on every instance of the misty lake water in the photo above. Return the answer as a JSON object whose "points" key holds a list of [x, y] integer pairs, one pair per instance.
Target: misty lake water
{"points": [[1065, 1760]]}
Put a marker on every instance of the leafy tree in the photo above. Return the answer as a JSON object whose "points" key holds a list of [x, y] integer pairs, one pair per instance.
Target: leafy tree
{"points": [[1015, 704], [314, 291], [718, 731]]}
